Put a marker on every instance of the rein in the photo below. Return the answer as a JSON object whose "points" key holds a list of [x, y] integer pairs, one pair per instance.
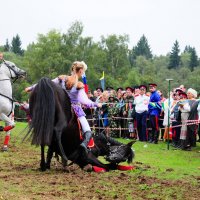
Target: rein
{"points": [[11, 69], [4, 79], [115, 151]]}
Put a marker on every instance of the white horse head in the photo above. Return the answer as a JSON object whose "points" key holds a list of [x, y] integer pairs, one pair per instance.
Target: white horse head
{"points": [[8, 71]]}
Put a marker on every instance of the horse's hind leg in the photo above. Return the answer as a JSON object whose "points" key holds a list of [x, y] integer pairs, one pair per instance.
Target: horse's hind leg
{"points": [[42, 162], [58, 132], [49, 157], [10, 124]]}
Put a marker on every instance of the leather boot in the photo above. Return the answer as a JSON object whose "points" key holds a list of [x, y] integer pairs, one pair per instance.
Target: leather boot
{"points": [[86, 138], [180, 144], [156, 135], [150, 138], [183, 144]]}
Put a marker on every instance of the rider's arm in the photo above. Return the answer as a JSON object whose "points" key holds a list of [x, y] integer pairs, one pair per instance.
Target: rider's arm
{"points": [[83, 99], [30, 88]]}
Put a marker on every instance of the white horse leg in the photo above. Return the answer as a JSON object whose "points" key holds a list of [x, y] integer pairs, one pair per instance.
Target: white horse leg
{"points": [[9, 125], [6, 141]]}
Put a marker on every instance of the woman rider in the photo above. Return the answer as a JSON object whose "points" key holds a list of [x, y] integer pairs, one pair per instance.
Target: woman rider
{"points": [[76, 92]]}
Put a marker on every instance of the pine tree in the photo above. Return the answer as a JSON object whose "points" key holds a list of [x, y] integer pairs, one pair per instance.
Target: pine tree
{"points": [[16, 45], [142, 48], [193, 59], [174, 58], [188, 49], [7, 46]]}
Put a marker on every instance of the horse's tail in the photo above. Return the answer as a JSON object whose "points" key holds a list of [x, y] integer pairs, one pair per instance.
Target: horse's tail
{"points": [[42, 111]]}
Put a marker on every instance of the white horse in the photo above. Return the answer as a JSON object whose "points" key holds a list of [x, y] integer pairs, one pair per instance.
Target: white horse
{"points": [[8, 72]]}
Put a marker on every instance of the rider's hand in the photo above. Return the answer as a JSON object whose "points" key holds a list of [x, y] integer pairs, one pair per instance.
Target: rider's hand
{"points": [[28, 89], [99, 105]]}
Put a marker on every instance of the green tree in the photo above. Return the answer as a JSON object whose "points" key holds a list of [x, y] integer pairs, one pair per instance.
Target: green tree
{"points": [[141, 49], [185, 59], [16, 45], [146, 70], [193, 59], [174, 58], [132, 78], [193, 79], [116, 49], [45, 58], [71, 41], [187, 49], [1, 48], [7, 46]]}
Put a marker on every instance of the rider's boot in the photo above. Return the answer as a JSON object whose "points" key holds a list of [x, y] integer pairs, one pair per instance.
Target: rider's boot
{"points": [[86, 138]]}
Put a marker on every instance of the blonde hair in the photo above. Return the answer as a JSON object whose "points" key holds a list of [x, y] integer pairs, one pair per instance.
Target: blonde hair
{"points": [[76, 66], [105, 96]]}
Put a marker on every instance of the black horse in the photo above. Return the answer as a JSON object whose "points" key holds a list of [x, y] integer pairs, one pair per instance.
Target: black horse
{"points": [[114, 151], [55, 125]]}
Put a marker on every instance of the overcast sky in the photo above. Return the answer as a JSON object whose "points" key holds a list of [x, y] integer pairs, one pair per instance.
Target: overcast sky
{"points": [[161, 21]]}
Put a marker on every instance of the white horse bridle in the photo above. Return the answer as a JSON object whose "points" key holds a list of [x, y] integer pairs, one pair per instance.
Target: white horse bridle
{"points": [[17, 75]]}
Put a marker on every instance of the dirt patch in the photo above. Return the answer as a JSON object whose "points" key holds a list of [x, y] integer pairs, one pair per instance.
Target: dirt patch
{"points": [[78, 184], [21, 179]]}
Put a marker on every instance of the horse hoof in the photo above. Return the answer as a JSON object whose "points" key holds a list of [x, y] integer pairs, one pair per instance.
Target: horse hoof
{"points": [[48, 167], [88, 168], [42, 169], [66, 170], [4, 149]]}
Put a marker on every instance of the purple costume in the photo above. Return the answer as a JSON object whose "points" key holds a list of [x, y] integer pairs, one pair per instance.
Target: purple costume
{"points": [[77, 97]]}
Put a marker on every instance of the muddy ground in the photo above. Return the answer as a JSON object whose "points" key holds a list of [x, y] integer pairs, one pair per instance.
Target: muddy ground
{"points": [[21, 179]]}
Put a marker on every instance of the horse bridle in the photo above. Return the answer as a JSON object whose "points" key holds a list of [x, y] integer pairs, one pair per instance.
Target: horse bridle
{"points": [[11, 69], [115, 151]]}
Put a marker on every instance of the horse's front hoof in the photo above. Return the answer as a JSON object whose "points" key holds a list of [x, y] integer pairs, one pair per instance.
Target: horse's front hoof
{"points": [[88, 168], [4, 149]]}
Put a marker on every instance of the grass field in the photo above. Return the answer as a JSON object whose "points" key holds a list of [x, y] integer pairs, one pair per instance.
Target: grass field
{"points": [[159, 174]]}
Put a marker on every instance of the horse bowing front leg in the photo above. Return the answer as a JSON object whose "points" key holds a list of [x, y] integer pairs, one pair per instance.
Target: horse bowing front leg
{"points": [[95, 162], [42, 162]]}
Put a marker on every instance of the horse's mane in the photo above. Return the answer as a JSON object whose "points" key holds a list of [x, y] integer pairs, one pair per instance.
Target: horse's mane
{"points": [[47, 101]]}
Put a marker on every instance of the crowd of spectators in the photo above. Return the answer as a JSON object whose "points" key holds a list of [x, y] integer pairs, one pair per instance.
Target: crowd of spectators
{"points": [[142, 112]]}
